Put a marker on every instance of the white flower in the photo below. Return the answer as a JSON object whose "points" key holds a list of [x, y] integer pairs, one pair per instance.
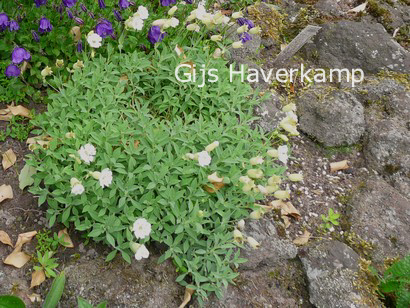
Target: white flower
{"points": [[295, 177], [237, 236], [193, 27], [160, 22], [216, 38], [46, 72], [135, 23], [237, 15], [142, 12], [252, 242], [94, 39], [141, 253], [212, 146], [105, 178], [78, 65], [172, 10], [242, 29], [237, 44], [204, 159], [217, 53], [282, 194], [283, 154], [141, 228], [96, 174], [173, 22], [272, 153], [256, 160], [241, 224], [213, 178], [77, 189], [289, 107], [245, 179], [87, 153], [255, 173], [200, 12], [255, 30]]}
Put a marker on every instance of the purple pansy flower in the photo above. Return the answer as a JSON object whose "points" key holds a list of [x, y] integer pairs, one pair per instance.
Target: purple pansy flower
{"points": [[80, 46], [101, 3], [4, 21], [12, 71], [245, 37], [168, 2], [35, 36], [69, 3], [44, 25], [40, 2], [104, 28], [19, 55], [155, 35], [13, 25], [123, 4], [243, 21], [117, 15]]}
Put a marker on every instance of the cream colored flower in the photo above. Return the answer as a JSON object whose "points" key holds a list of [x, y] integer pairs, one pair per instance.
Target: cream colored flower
{"points": [[255, 30], [273, 153], [172, 10], [258, 160], [237, 236], [94, 40], [204, 159], [59, 63], [142, 13], [252, 242], [237, 45], [242, 29], [255, 173], [212, 146], [295, 177], [217, 53], [193, 27], [70, 135], [289, 107], [237, 15], [78, 65], [135, 23], [283, 154], [275, 179], [282, 194], [46, 72], [141, 252], [95, 174], [216, 38], [213, 178], [141, 228], [105, 178], [241, 224]]}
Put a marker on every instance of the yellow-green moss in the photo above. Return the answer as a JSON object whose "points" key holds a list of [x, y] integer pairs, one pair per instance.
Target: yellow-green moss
{"points": [[268, 18]]}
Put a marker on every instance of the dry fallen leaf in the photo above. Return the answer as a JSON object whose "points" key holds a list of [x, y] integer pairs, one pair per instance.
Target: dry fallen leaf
{"points": [[35, 297], [66, 238], [37, 278], [303, 239], [24, 238], [340, 165], [359, 8], [42, 141], [19, 111], [5, 238], [76, 33], [286, 210], [6, 192], [136, 144], [17, 259], [9, 159], [187, 297], [216, 186]]}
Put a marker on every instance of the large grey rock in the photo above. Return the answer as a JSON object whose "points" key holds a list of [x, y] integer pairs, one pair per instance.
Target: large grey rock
{"points": [[330, 267], [332, 117], [273, 249], [387, 146], [269, 114], [351, 45], [334, 8], [381, 216]]}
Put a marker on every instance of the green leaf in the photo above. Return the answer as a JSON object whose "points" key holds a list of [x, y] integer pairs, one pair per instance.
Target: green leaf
{"points": [[82, 303], [26, 176], [11, 301], [111, 255]]}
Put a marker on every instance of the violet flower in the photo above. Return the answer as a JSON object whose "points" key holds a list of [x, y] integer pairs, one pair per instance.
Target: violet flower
{"points": [[4, 21], [19, 55], [78, 20], [80, 46], [189, 1], [242, 21], [83, 7], [44, 25], [245, 37], [155, 35], [104, 28], [70, 14], [69, 3], [101, 4], [13, 25], [12, 71], [40, 2], [168, 2], [35, 36], [117, 15], [123, 4], [91, 14]]}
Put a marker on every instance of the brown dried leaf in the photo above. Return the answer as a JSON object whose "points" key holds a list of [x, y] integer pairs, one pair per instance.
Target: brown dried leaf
{"points": [[24, 238], [187, 297], [5, 238], [9, 159], [20, 111], [340, 165], [17, 259], [66, 238], [76, 33], [216, 186], [289, 210], [37, 278], [136, 144], [6, 192], [303, 239]]}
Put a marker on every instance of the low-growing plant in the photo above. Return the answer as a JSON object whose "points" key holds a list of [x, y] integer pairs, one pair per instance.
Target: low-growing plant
{"points": [[19, 128], [111, 166], [46, 242], [83, 303], [48, 264], [332, 219], [395, 283]]}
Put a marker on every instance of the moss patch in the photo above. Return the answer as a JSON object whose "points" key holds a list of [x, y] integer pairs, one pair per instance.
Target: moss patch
{"points": [[268, 18]]}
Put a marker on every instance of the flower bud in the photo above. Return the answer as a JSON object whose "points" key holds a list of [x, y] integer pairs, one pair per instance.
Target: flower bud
{"points": [[193, 27], [237, 15], [59, 63], [256, 214], [213, 178], [283, 137], [248, 187], [255, 173], [134, 246], [295, 177], [289, 107], [252, 242], [217, 53], [245, 179], [74, 181], [172, 10], [282, 194], [241, 224], [273, 180], [237, 45], [256, 160], [212, 146], [255, 30], [242, 29], [237, 236], [70, 135], [201, 213], [95, 174], [216, 38], [263, 189], [271, 188], [273, 153]]}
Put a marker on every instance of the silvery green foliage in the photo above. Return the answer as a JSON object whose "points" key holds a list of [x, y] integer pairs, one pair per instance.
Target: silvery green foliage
{"points": [[141, 129]]}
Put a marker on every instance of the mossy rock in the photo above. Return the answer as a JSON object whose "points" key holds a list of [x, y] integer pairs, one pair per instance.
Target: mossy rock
{"points": [[268, 18]]}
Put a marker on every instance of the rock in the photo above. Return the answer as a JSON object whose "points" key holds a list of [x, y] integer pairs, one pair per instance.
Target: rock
{"points": [[334, 8], [330, 266], [353, 45], [249, 49], [269, 113], [281, 286], [381, 216], [272, 251], [332, 117], [387, 146]]}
